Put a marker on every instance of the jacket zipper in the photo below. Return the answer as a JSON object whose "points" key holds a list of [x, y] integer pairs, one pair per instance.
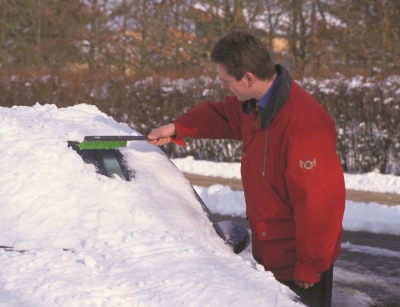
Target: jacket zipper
{"points": [[265, 151], [266, 141]]}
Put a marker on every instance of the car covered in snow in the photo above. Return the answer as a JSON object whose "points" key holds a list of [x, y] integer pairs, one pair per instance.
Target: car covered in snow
{"points": [[110, 162], [111, 227]]}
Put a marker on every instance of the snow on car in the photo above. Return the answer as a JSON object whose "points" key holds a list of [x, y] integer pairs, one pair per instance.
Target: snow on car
{"points": [[72, 236]]}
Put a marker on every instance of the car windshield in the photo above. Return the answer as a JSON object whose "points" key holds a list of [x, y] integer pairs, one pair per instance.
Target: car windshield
{"points": [[108, 162]]}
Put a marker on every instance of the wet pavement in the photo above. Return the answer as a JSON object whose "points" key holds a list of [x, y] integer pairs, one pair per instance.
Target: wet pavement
{"points": [[367, 272], [370, 264]]}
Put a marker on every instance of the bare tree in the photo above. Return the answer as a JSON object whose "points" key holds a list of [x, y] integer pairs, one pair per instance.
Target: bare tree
{"points": [[39, 33], [372, 36]]}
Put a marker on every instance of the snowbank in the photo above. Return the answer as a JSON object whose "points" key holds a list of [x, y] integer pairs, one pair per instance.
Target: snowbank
{"points": [[90, 240]]}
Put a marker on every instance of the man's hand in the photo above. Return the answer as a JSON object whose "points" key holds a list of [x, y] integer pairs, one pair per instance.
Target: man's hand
{"points": [[302, 284], [162, 135]]}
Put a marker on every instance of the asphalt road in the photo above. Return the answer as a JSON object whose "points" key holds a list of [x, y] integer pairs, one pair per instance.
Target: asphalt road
{"points": [[367, 272]]}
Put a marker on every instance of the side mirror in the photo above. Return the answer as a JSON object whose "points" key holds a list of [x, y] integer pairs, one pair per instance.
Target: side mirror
{"points": [[236, 235]]}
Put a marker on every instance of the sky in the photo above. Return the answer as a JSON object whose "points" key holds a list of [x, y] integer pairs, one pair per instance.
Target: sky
{"points": [[82, 239]]}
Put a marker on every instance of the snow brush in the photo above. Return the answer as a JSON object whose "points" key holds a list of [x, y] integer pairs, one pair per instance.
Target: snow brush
{"points": [[115, 141]]}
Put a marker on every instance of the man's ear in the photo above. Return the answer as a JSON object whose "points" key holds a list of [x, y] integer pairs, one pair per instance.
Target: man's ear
{"points": [[249, 77]]}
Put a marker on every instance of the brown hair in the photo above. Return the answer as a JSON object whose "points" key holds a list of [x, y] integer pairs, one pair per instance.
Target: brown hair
{"points": [[239, 52]]}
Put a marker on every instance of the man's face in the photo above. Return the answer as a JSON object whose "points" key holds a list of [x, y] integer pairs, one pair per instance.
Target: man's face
{"points": [[239, 88]]}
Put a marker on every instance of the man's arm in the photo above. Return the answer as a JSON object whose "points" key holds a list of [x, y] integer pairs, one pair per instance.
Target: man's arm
{"points": [[215, 120], [315, 184]]}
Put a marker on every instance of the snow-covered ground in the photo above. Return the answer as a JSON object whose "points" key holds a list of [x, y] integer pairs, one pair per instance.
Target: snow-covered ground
{"points": [[371, 182], [370, 217], [90, 240]]}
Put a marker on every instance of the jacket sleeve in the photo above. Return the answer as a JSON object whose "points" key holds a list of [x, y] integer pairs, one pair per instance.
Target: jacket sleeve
{"points": [[214, 120], [315, 183]]}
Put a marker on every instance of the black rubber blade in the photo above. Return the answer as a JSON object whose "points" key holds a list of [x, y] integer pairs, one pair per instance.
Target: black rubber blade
{"points": [[116, 138]]}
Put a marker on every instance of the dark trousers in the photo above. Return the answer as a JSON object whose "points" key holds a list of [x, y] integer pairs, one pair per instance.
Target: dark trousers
{"points": [[319, 295]]}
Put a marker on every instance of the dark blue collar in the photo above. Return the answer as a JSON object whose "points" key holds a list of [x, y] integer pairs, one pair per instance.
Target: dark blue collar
{"points": [[267, 96]]}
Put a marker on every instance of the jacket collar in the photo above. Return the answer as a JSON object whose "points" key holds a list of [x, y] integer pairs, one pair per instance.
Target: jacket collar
{"points": [[278, 98]]}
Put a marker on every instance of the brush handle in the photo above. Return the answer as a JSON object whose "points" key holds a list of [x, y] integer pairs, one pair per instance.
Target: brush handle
{"points": [[116, 138], [126, 138]]}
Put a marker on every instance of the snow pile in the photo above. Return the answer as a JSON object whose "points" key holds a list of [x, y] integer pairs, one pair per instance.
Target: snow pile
{"points": [[90, 240], [208, 168], [371, 182], [371, 217]]}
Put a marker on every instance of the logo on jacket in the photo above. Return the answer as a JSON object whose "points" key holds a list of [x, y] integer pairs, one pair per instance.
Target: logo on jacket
{"points": [[308, 164]]}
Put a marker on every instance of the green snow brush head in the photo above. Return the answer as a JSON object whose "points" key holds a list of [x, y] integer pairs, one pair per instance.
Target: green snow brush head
{"points": [[115, 141], [102, 144]]}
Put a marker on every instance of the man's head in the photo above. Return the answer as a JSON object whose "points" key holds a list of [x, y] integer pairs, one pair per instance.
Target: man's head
{"points": [[239, 52], [243, 64]]}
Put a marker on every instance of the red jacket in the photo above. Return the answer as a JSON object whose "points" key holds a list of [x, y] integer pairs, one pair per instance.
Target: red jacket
{"points": [[292, 177]]}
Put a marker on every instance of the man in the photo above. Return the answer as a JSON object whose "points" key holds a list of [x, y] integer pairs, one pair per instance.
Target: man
{"points": [[292, 177]]}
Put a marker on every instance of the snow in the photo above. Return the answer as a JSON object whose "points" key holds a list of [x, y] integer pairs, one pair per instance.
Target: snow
{"points": [[370, 182], [84, 239], [90, 240], [370, 217]]}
